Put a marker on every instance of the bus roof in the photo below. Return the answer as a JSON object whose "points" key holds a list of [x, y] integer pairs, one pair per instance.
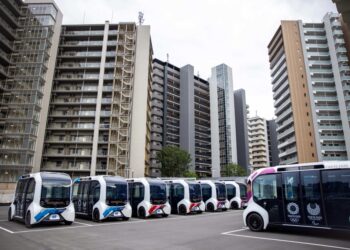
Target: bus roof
{"points": [[300, 167]]}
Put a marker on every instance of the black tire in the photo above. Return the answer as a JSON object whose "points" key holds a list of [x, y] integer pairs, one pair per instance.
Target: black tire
{"points": [[125, 218], [9, 215], [182, 210], [142, 213], [255, 222], [96, 215], [68, 223], [27, 220], [234, 205], [210, 207], [165, 215]]}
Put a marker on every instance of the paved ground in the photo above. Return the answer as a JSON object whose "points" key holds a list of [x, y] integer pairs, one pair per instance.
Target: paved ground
{"points": [[207, 231]]}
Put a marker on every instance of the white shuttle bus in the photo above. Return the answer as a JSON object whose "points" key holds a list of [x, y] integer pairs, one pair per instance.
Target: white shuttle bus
{"points": [[42, 197], [236, 194], [313, 195], [185, 196], [101, 198], [214, 195], [148, 197]]}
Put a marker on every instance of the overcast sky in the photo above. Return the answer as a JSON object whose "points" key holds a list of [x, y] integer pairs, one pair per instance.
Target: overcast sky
{"points": [[206, 33]]}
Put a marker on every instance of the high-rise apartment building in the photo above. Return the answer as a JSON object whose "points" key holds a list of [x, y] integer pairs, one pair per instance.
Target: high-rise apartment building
{"points": [[259, 156], [241, 113], [29, 35], [222, 116], [100, 110], [180, 115], [272, 142], [311, 80]]}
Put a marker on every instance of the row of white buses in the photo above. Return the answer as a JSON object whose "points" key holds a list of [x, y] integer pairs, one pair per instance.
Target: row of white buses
{"points": [[53, 197], [313, 195]]}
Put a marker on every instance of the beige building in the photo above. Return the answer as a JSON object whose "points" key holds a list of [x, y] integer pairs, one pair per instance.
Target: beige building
{"points": [[310, 81], [258, 143]]}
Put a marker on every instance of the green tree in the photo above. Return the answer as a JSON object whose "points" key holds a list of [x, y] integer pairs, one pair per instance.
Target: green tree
{"points": [[175, 161], [233, 169], [189, 174]]}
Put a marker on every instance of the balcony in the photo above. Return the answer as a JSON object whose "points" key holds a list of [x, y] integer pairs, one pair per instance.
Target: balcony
{"points": [[286, 133], [83, 33], [287, 152]]}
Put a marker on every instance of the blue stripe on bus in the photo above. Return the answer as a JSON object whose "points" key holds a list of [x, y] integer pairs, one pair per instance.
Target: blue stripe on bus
{"points": [[48, 211], [112, 210]]}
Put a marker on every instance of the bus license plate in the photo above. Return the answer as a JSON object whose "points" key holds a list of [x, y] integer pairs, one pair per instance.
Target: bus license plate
{"points": [[54, 217], [116, 214], [159, 211]]}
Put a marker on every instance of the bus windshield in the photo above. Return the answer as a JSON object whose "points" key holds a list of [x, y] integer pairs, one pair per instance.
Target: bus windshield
{"points": [[243, 190], [195, 192], [116, 193], [55, 192], [220, 191], [158, 193]]}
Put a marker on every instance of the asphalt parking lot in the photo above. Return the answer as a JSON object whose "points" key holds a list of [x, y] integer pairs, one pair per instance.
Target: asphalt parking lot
{"points": [[222, 230]]}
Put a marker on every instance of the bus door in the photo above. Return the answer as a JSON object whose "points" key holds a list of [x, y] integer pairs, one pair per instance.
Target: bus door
{"points": [[94, 195], [19, 197], [267, 192], [230, 191], [312, 199], [177, 193], [29, 194], [292, 200], [85, 196], [336, 195], [137, 195], [76, 195]]}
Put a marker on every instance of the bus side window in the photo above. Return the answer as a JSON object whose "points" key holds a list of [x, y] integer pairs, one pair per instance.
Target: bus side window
{"points": [[75, 191], [231, 191], [179, 191], [138, 191], [30, 190], [265, 187], [95, 191], [20, 188], [206, 192]]}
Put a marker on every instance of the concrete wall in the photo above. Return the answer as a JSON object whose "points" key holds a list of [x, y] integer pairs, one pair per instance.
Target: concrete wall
{"points": [[187, 125], [138, 155]]}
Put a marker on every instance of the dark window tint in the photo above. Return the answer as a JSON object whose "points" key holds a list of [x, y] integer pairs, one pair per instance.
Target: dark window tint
{"points": [[243, 190], [75, 191], [231, 191], [336, 184], [311, 185], [195, 192], [206, 191], [158, 193], [30, 190], [95, 191], [179, 191], [20, 186]]}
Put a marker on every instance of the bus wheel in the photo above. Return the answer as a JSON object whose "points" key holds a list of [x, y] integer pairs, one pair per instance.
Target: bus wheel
{"points": [[255, 222], [210, 207], [27, 220], [182, 209], [68, 223], [9, 215], [165, 215], [96, 215], [234, 205], [142, 213], [125, 218]]}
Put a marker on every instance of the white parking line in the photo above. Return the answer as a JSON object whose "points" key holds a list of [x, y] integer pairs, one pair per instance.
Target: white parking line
{"points": [[127, 222], [6, 230], [234, 231], [287, 241], [85, 224]]}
